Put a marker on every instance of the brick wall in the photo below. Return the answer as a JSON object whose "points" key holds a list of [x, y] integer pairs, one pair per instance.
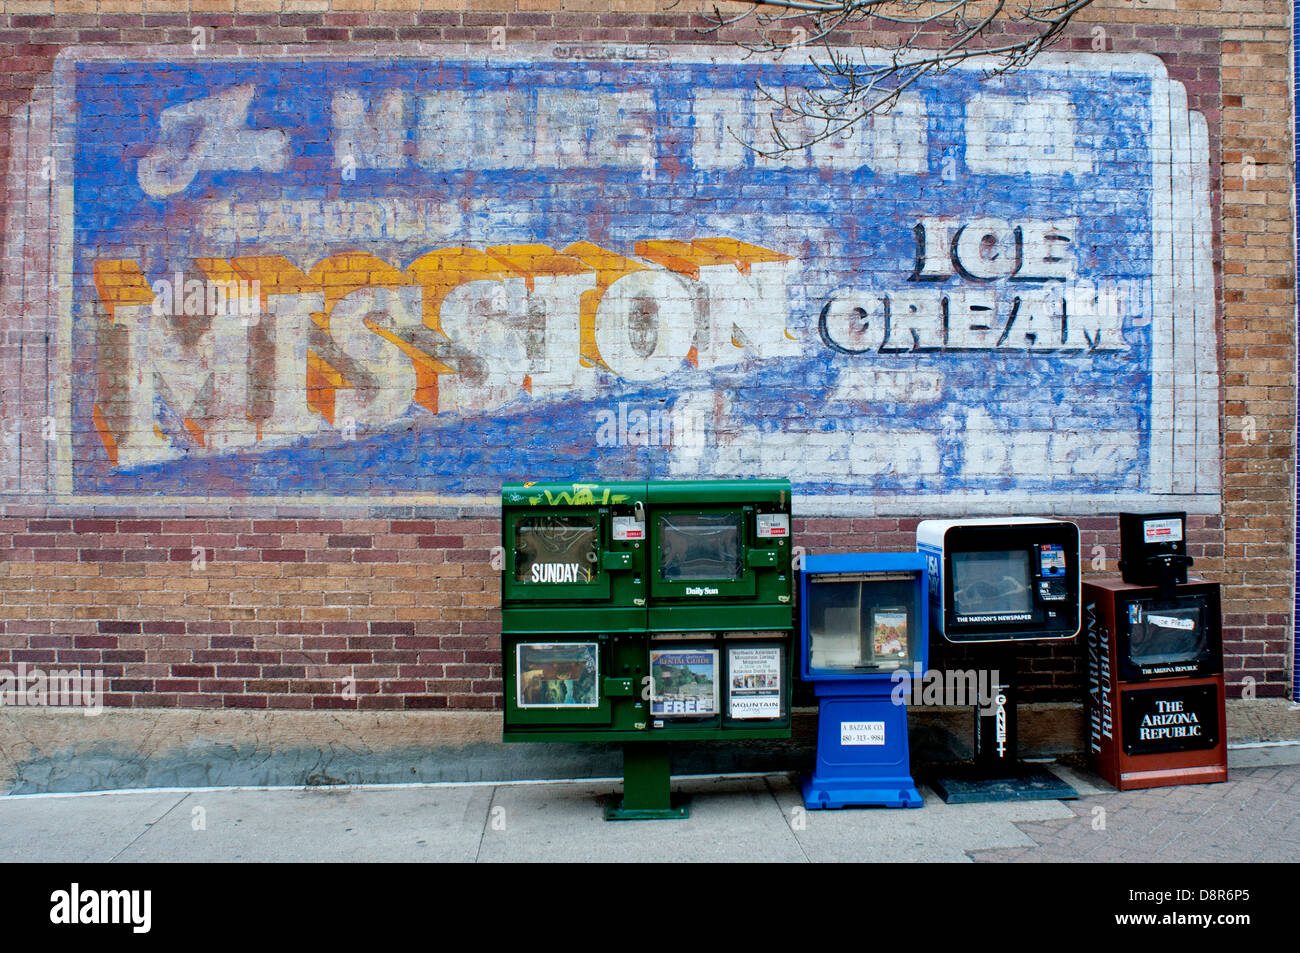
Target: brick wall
{"points": [[257, 613], [197, 591]]}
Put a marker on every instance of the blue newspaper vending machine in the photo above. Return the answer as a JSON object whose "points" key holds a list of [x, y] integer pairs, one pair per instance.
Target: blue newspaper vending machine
{"points": [[863, 623]]}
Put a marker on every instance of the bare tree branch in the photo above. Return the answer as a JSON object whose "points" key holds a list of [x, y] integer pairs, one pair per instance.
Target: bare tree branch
{"points": [[937, 35]]}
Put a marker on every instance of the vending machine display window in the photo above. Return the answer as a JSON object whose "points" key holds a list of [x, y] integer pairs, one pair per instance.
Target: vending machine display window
{"points": [[992, 583], [701, 555], [1178, 637], [684, 683], [755, 682], [557, 683], [557, 549], [699, 546], [573, 557], [1002, 580], [862, 623], [558, 675], [1164, 636]]}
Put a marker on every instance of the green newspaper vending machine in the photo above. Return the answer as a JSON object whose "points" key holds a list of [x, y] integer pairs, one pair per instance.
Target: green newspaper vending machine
{"points": [[646, 613]]}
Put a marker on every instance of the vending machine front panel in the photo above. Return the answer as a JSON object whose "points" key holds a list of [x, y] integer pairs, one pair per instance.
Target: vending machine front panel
{"points": [[1165, 720], [573, 557], [1002, 580], [1169, 638], [758, 682], [558, 555], [556, 683], [991, 584], [862, 623], [719, 555], [700, 554]]}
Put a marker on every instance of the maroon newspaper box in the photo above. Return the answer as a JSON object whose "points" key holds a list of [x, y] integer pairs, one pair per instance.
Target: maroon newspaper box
{"points": [[1155, 683]]}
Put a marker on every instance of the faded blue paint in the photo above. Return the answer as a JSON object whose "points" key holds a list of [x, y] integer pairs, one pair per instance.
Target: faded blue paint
{"points": [[868, 219]]}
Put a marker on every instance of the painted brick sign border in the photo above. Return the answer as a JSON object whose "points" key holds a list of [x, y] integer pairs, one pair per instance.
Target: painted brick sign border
{"points": [[1182, 442]]}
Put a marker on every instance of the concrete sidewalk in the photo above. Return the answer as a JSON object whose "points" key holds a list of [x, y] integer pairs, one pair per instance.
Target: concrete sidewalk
{"points": [[1254, 817]]}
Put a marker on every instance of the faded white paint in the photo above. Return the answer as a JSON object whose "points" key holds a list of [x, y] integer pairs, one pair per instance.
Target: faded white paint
{"points": [[1180, 298], [223, 141], [1014, 134]]}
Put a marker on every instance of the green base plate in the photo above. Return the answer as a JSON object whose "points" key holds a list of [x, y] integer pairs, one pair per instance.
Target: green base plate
{"points": [[615, 811]]}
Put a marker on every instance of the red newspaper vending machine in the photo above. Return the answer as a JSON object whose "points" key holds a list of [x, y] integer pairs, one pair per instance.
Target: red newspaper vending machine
{"points": [[1155, 664]]}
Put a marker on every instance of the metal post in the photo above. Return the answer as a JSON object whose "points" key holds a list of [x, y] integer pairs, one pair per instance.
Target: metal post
{"points": [[998, 774], [995, 729], [647, 786]]}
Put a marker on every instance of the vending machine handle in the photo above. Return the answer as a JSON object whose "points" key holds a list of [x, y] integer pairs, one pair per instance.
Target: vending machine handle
{"points": [[616, 561], [619, 687]]}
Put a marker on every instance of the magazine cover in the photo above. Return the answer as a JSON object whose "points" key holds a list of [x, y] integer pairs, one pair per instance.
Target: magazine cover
{"points": [[889, 635], [754, 686], [683, 682], [557, 675]]}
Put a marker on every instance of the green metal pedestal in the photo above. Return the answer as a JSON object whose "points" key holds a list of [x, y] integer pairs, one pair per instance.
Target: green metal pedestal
{"points": [[647, 787]]}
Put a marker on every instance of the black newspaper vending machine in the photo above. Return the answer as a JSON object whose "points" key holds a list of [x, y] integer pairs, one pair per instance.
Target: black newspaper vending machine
{"points": [[995, 584]]}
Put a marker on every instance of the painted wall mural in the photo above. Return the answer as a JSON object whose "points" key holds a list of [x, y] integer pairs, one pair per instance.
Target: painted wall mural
{"points": [[319, 277]]}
